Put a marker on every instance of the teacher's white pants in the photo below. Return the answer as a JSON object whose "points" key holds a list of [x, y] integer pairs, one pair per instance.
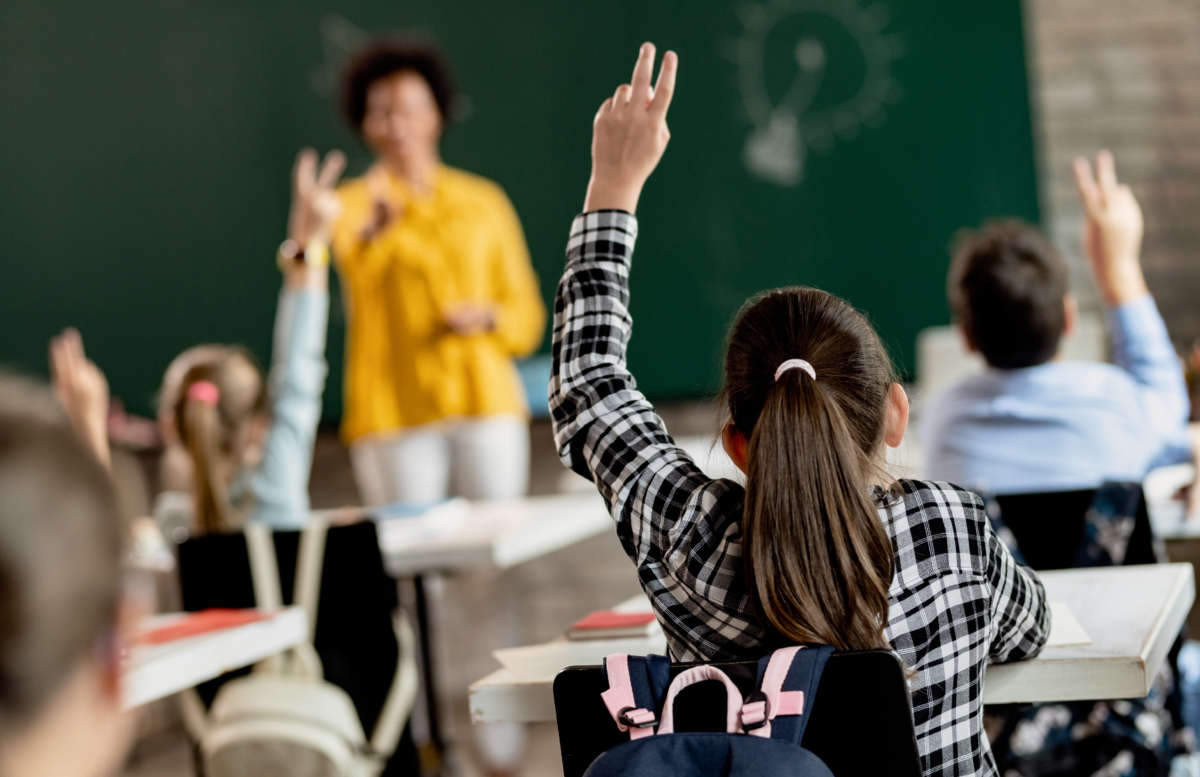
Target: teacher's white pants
{"points": [[476, 458]]}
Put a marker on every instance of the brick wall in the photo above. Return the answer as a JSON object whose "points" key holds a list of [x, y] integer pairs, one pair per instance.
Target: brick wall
{"points": [[1124, 74]]}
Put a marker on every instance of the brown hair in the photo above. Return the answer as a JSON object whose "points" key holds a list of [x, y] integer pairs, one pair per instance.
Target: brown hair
{"points": [[215, 434], [1006, 287], [815, 551], [61, 541]]}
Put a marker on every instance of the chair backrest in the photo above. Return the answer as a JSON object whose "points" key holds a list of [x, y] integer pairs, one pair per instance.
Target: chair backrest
{"points": [[863, 698], [1102, 526], [354, 634]]}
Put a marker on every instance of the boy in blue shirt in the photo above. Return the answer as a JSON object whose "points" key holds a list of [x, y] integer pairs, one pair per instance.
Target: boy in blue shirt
{"points": [[1033, 422]]}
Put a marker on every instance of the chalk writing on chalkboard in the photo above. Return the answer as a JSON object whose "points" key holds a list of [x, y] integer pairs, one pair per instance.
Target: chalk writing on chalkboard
{"points": [[339, 37], [811, 73]]}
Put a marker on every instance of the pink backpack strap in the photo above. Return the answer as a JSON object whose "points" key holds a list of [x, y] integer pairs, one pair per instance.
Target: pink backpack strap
{"points": [[619, 699], [773, 701], [697, 674]]}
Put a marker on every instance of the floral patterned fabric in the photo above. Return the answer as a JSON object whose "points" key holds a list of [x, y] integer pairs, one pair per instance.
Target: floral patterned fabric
{"points": [[1120, 738]]}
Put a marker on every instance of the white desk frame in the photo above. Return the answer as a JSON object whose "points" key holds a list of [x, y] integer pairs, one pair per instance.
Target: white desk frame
{"points": [[157, 671], [1132, 614]]}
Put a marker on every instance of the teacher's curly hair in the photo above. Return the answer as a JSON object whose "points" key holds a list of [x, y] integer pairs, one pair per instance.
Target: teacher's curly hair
{"points": [[387, 56]]}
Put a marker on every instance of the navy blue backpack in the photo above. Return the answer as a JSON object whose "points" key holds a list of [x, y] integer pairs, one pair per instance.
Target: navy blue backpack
{"points": [[762, 731]]}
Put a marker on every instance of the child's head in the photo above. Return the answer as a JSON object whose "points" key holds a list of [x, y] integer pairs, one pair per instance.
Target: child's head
{"points": [[214, 404], [818, 556], [1008, 290], [61, 541]]}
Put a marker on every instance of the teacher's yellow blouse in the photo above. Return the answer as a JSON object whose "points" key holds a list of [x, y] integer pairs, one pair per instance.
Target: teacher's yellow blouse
{"points": [[461, 242]]}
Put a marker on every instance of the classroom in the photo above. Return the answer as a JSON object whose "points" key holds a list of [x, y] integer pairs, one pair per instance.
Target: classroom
{"points": [[341, 435]]}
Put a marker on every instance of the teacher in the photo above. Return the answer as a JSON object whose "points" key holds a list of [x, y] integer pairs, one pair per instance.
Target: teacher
{"points": [[440, 294]]}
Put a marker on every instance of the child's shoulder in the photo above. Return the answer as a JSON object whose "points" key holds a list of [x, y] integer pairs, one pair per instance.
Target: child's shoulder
{"points": [[935, 497], [931, 519]]}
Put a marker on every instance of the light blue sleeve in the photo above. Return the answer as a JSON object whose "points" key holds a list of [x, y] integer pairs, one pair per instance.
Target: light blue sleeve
{"points": [[1176, 450], [279, 485], [1141, 347]]}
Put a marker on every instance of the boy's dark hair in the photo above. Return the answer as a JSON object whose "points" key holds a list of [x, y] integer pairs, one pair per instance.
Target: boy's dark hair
{"points": [[1006, 288], [382, 58]]}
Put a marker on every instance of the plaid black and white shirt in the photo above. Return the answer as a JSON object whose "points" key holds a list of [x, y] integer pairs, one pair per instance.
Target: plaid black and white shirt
{"points": [[958, 599]]}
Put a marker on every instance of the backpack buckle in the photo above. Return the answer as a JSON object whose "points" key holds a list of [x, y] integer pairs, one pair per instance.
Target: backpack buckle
{"points": [[756, 711], [637, 717]]}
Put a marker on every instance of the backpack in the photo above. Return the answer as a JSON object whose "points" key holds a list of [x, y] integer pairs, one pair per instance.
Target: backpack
{"points": [[283, 718], [762, 732]]}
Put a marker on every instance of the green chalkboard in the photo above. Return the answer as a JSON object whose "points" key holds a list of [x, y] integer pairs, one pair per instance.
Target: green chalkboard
{"points": [[840, 143]]}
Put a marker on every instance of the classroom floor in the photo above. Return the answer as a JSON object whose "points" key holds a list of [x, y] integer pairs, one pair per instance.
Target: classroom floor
{"points": [[479, 610]]}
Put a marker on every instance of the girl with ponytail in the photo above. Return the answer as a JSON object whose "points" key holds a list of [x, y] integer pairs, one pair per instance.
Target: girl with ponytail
{"points": [[820, 545], [242, 448], [219, 412]]}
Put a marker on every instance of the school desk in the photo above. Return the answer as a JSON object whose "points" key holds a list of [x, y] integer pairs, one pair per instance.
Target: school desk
{"points": [[1131, 614], [462, 535], [158, 670]]}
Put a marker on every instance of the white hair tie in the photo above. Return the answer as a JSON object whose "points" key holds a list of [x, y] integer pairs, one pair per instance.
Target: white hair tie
{"points": [[795, 364]]}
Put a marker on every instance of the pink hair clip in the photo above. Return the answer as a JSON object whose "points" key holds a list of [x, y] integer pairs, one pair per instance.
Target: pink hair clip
{"points": [[204, 391], [795, 364]]}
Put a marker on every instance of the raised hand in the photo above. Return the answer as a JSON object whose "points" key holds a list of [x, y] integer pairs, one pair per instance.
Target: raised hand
{"points": [[629, 134], [83, 391], [1112, 236], [314, 203]]}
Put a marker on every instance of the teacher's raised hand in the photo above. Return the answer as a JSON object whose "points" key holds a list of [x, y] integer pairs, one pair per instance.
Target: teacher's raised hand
{"points": [[629, 134]]}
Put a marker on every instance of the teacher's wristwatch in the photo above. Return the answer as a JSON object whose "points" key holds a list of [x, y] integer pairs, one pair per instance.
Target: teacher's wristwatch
{"points": [[314, 253]]}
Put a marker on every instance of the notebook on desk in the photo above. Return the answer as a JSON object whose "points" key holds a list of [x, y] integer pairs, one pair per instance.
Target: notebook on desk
{"points": [[176, 626], [612, 624]]}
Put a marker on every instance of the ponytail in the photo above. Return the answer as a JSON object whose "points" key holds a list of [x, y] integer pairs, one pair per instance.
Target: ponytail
{"points": [[807, 381], [215, 402], [817, 553], [210, 489]]}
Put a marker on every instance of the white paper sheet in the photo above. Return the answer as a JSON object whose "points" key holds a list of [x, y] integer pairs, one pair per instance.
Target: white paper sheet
{"points": [[1065, 629]]}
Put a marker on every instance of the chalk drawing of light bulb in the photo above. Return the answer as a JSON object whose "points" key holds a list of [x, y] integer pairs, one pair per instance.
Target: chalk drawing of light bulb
{"points": [[824, 35], [339, 39]]}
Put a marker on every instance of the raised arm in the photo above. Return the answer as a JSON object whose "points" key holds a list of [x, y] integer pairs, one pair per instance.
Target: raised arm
{"points": [[83, 391], [1140, 344], [678, 526], [604, 427], [298, 369]]}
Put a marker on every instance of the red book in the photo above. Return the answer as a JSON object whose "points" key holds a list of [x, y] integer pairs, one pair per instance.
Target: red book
{"points": [[608, 624], [200, 622]]}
